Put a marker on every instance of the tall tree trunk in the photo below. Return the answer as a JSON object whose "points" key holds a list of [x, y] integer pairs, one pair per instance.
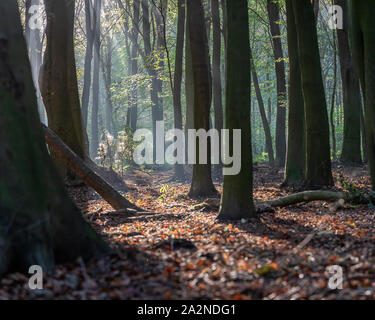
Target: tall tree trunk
{"points": [[237, 198], [95, 84], [134, 69], [179, 173], [351, 148], [107, 75], [201, 182], [189, 87], [216, 70], [156, 107], [266, 127], [43, 225], [59, 81], [333, 134], [296, 151], [363, 44], [274, 17], [318, 161], [90, 29]]}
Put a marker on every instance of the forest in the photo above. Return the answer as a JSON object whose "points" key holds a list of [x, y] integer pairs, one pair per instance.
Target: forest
{"points": [[187, 150]]}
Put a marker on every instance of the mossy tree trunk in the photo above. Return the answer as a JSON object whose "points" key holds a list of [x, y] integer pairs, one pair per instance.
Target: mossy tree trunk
{"points": [[318, 162], [201, 184], [39, 224], [59, 81], [296, 148], [363, 44], [237, 198]]}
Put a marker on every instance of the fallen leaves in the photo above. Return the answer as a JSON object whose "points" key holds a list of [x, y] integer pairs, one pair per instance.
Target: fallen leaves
{"points": [[185, 253]]}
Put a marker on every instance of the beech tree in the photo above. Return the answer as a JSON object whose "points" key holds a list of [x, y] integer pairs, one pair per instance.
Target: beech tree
{"points": [[363, 44], [296, 147], [179, 173], [318, 162], [59, 81], [237, 197], [40, 224], [201, 184], [351, 148], [274, 17]]}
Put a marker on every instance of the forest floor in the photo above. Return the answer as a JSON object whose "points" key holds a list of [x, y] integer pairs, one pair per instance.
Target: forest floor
{"points": [[284, 255]]}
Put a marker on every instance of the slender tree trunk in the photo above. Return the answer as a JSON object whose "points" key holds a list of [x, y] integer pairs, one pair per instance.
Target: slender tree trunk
{"points": [[363, 135], [59, 81], [318, 162], [95, 84], [189, 87], [43, 226], [156, 107], [266, 127], [90, 29], [134, 69], [237, 198], [296, 151], [363, 44], [216, 70], [274, 17], [201, 183], [333, 134], [351, 148], [179, 173], [107, 75]]}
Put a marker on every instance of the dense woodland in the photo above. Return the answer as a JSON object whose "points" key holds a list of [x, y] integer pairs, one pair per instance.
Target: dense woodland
{"points": [[78, 78]]}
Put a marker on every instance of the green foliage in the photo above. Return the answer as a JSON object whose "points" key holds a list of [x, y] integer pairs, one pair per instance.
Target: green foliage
{"points": [[166, 192]]}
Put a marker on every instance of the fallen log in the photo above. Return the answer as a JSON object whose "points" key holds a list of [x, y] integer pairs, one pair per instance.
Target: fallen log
{"points": [[307, 196], [363, 197], [92, 179]]}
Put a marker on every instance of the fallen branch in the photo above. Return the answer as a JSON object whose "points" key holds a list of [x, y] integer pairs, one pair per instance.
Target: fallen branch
{"points": [[307, 196], [363, 197], [75, 163]]}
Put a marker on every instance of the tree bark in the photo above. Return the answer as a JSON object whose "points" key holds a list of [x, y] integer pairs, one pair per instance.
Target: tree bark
{"points": [[237, 198], [216, 70], [296, 151], [363, 44], [90, 29], [179, 173], [333, 131], [201, 182], [95, 83], [103, 188], [274, 17], [43, 225], [59, 81], [266, 127], [318, 162], [351, 148]]}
